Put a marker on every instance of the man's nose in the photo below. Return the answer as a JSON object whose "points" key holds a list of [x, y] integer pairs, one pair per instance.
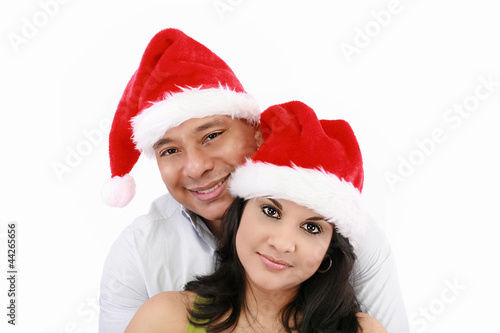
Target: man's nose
{"points": [[198, 162]]}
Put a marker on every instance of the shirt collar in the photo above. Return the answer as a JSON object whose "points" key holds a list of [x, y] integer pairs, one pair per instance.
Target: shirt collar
{"points": [[200, 227]]}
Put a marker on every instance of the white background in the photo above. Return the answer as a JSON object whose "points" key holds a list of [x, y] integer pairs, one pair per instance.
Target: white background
{"points": [[64, 65]]}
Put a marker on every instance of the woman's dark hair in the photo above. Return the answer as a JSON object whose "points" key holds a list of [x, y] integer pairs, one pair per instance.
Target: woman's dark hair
{"points": [[325, 302]]}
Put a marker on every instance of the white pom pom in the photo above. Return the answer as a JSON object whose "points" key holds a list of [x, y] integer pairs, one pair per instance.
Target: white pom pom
{"points": [[118, 191]]}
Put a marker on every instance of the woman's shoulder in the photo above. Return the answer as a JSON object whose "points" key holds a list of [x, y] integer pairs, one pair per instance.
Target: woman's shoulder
{"points": [[173, 299], [368, 324], [164, 312]]}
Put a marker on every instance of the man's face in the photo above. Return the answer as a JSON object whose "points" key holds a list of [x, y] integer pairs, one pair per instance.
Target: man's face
{"points": [[197, 157]]}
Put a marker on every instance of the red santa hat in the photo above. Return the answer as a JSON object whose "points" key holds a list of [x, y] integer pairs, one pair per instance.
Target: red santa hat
{"points": [[177, 79], [314, 163]]}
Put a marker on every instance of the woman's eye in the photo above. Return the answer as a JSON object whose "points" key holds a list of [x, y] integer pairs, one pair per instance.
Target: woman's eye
{"points": [[311, 228], [271, 212]]}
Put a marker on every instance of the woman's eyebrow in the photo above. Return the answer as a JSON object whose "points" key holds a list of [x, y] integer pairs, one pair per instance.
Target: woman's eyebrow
{"points": [[276, 203], [317, 218], [313, 218]]}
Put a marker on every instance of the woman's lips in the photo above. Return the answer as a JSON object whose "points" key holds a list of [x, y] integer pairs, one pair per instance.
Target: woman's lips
{"points": [[274, 264]]}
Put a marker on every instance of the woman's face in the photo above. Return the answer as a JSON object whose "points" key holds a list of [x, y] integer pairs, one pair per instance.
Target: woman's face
{"points": [[280, 243]]}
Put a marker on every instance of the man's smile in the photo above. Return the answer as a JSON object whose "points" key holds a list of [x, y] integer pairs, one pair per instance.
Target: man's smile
{"points": [[210, 191]]}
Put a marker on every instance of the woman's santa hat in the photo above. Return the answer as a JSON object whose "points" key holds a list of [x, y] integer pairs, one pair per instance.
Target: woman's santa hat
{"points": [[177, 79], [314, 163]]}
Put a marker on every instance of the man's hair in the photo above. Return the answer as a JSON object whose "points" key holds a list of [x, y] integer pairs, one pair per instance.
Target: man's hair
{"points": [[325, 302]]}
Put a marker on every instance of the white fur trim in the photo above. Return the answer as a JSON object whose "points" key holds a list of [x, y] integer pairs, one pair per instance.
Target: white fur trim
{"points": [[118, 191], [337, 200], [151, 124]]}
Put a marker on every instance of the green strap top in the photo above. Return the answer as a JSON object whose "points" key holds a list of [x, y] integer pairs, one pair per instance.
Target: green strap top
{"points": [[196, 329]]}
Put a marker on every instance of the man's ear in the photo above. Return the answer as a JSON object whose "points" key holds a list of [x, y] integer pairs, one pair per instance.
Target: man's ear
{"points": [[259, 139]]}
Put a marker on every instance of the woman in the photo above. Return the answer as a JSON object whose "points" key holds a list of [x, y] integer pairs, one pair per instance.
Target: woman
{"points": [[286, 250]]}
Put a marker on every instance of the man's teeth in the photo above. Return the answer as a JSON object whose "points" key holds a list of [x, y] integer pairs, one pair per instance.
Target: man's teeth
{"points": [[210, 190]]}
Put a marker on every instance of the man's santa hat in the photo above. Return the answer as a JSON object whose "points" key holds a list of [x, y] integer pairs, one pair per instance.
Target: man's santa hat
{"points": [[177, 79], [314, 163]]}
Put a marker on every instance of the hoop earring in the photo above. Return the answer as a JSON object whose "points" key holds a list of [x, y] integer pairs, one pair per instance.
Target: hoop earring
{"points": [[329, 266]]}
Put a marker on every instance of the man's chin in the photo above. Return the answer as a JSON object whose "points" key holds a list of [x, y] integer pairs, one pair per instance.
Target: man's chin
{"points": [[212, 213]]}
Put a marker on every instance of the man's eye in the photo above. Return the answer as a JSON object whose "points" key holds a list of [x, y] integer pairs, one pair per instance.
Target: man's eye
{"points": [[271, 212], [311, 228], [169, 151], [212, 136]]}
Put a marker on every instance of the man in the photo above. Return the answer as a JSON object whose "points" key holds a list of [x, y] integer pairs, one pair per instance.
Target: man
{"points": [[190, 112]]}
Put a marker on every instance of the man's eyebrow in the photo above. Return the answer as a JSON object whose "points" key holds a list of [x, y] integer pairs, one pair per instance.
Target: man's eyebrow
{"points": [[201, 128], [161, 142], [209, 125]]}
